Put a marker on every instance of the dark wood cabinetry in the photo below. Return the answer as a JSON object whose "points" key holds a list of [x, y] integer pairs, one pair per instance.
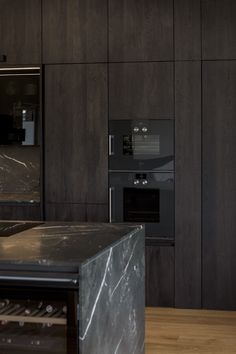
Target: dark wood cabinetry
{"points": [[219, 29], [74, 31], [187, 19], [20, 211], [20, 31], [140, 30], [219, 185], [77, 212], [188, 184], [141, 90], [76, 134], [159, 275]]}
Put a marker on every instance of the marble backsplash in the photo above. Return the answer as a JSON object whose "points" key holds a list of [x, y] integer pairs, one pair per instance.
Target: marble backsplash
{"points": [[19, 173]]}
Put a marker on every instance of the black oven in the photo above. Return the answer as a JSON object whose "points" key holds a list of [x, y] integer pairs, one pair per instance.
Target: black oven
{"points": [[141, 174], [146, 145], [146, 197]]}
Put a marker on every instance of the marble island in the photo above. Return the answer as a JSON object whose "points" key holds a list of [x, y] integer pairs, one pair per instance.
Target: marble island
{"points": [[103, 263]]}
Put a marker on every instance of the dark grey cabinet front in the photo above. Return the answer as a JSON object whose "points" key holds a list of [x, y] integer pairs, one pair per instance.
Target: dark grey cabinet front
{"points": [[141, 91], [188, 184], [74, 31], [76, 134], [219, 185], [218, 29], [159, 275], [20, 32], [20, 211], [140, 30], [187, 19]]}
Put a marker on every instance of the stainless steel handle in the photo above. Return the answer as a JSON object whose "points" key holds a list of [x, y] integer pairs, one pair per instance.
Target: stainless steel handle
{"points": [[111, 145], [111, 190], [37, 279]]}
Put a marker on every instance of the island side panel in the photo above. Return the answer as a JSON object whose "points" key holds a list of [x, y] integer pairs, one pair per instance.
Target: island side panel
{"points": [[112, 300]]}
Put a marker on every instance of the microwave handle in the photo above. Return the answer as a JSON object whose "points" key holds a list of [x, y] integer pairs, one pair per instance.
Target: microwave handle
{"points": [[111, 145], [111, 204]]}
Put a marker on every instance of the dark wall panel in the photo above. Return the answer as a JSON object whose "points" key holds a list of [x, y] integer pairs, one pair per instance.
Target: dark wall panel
{"points": [[187, 19], [20, 31], [219, 29], [141, 90], [20, 212], [76, 134], [76, 212], [74, 31], [159, 276], [188, 185], [140, 30], [219, 185]]}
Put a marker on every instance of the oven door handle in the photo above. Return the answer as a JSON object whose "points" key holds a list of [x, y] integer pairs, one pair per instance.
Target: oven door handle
{"points": [[111, 204], [111, 145]]}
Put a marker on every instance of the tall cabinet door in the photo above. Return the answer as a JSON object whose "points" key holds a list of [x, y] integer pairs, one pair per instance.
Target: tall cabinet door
{"points": [[20, 31], [159, 274], [188, 184], [76, 134], [74, 31], [219, 185]]}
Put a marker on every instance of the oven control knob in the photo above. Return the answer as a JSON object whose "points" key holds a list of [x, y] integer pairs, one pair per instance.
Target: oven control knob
{"points": [[144, 182], [136, 129], [136, 181], [144, 129]]}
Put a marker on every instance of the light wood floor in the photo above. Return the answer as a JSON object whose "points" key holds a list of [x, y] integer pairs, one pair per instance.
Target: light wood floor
{"points": [[172, 331]]}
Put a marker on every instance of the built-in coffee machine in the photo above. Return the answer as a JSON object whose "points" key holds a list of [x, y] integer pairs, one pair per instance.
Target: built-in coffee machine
{"points": [[141, 174]]}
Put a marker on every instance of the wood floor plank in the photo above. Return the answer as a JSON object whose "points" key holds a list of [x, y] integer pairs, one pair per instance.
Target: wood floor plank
{"points": [[175, 331]]}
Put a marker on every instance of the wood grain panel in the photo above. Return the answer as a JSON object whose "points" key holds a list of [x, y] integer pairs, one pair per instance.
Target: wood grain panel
{"points": [[141, 90], [219, 29], [188, 185], [20, 31], [219, 185], [159, 276], [175, 331], [140, 30], [20, 212], [187, 18], [76, 212], [74, 31], [76, 134]]}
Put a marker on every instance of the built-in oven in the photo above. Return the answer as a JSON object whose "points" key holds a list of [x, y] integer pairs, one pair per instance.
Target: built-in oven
{"points": [[143, 197], [146, 145]]}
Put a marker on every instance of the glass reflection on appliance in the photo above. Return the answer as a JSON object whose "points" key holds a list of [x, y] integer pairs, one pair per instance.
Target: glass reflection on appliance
{"points": [[146, 197], [35, 322], [141, 145], [20, 134]]}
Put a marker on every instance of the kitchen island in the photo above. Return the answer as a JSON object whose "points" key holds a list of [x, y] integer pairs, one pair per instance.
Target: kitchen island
{"points": [[90, 276]]}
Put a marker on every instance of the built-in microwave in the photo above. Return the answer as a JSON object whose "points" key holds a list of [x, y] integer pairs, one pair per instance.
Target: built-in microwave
{"points": [[145, 145]]}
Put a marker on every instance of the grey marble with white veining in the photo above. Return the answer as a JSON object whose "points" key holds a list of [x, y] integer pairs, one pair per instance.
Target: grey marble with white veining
{"points": [[19, 173], [107, 260], [112, 299]]}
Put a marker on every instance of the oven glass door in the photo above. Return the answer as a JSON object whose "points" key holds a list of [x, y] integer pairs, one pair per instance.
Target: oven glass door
{"points": [[141, 145], [149, 201], [141, 205]]}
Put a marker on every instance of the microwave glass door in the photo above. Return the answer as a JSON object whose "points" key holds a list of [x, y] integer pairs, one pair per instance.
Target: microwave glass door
{"points": [[141, 145]]}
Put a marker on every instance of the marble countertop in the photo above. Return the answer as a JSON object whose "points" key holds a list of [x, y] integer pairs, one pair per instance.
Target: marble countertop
{"points": [[60, 246]]}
